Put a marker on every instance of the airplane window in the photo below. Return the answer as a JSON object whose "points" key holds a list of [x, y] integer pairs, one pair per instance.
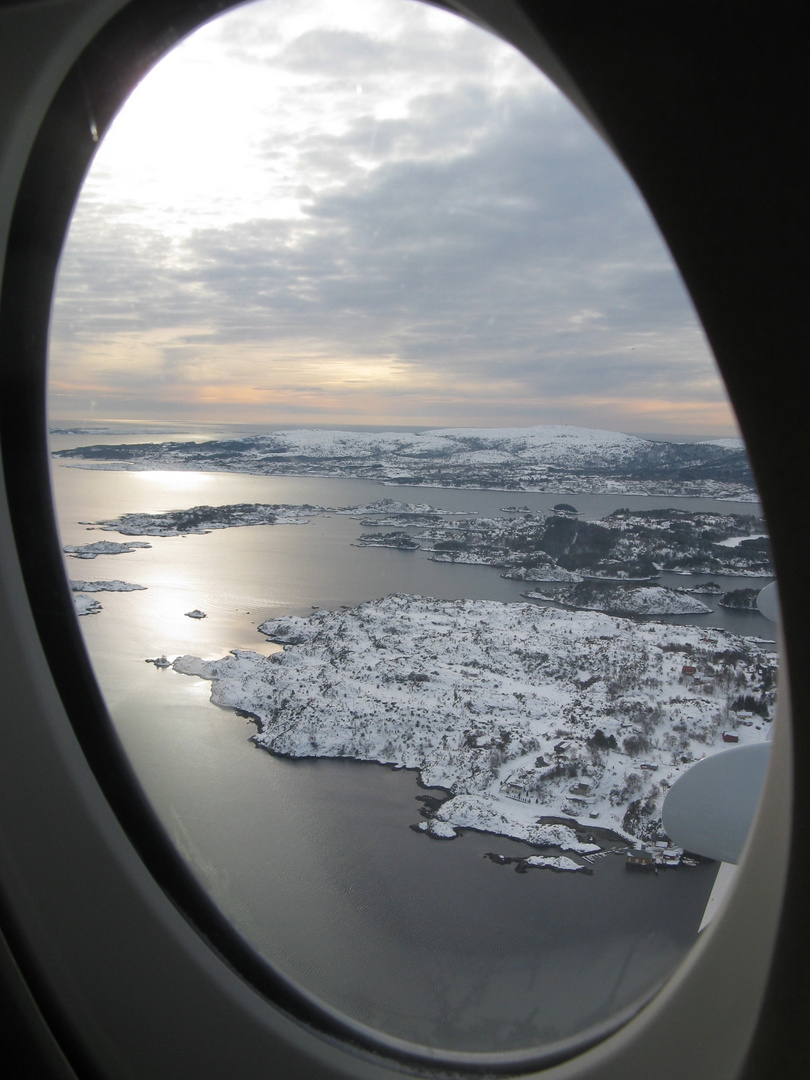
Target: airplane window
{"points": [[412, 578]]}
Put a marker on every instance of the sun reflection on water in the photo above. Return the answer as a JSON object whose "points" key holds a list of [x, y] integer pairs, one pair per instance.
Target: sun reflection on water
{"points": [[176, 481]]}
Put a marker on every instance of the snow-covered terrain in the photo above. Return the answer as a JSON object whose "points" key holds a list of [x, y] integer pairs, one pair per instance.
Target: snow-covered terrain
{"points": [[85, 605], [101, 547], [553, 862], [522, 713], [543, 458], [740, 599], [704, 588], [624, 600], [105, 586], [624, 546], [203, 519], [542, 569], [399, 540], [395, 511]]}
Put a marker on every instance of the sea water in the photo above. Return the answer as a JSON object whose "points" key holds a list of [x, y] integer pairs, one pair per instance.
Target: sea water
{"points": [[315, 861]]}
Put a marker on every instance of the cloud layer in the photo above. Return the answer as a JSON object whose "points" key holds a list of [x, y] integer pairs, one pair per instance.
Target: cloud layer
{"points": [[396, 220]]}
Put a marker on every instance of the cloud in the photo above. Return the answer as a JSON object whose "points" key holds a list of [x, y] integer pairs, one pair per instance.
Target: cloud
{"points": [[463, 238]]}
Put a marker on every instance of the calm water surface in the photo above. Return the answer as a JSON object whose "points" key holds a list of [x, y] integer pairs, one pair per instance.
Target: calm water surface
{"points": [[314, 860]]}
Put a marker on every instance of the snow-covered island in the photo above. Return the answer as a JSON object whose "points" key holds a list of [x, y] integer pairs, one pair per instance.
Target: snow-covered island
{"points": [[392, 513], [105, 586], [400, 540], [203, 519], [704, 588], [102, 547], [85, 605], [540, 723], [623, 599], [555, 458], [740, 600]]}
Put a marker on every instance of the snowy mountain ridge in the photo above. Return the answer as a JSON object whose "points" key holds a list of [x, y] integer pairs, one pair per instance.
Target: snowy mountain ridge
{"points": [[545, 457]]}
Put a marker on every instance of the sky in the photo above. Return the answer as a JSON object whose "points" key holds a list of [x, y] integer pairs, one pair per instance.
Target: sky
{"points": [[368, 213]]}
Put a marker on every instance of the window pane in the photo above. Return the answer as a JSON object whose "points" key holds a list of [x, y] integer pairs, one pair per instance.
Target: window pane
{"points": [[398, 438]]}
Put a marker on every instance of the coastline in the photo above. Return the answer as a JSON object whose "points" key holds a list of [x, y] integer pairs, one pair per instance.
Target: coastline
{"points": [[747, 495]]}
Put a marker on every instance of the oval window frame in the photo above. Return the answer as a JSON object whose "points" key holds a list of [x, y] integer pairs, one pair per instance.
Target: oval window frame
{"points": [[139, 34]]}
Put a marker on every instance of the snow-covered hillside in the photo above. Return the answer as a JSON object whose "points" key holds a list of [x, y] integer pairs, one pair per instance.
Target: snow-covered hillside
{"points": [[542, 458], [521, 713]]}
